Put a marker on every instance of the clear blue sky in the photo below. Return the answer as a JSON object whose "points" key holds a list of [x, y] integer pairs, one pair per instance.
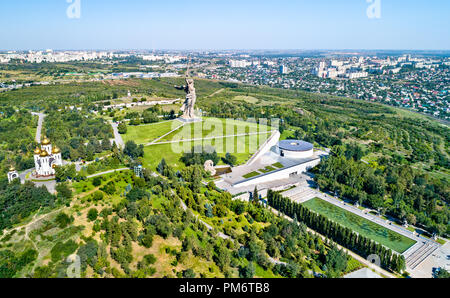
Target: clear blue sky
{"points": [[225, 24]]}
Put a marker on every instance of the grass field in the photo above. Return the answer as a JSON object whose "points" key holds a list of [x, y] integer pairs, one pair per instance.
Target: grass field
{"points": [[242, 147], [144, 134], [214, 127], [361, 225], [172, 152]]}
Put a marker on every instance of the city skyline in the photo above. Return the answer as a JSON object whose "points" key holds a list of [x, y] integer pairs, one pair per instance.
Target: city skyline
{"points": [[201, 25]]}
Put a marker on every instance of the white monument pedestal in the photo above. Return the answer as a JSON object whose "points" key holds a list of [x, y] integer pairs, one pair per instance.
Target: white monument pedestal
{"points": [[192, 120]]}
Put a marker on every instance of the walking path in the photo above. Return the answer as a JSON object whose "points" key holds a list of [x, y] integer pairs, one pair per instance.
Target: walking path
{"points": [[39, 127], [206, 138], [107, 172], [163, 136], [118, 138]]}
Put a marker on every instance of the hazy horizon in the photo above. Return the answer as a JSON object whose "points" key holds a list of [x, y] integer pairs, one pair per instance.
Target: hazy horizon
{"points": [[353, 25]]}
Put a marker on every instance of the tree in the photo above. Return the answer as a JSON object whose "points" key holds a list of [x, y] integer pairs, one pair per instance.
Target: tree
{"points": [[63, 220], [106, 144], [122, 128], [64, 191], [442, 273], [92, 214], [229, 159], [134, 151], [336, 260], [248, 271], [255, 195], [97, 181], [189, 273], [161, 166]]}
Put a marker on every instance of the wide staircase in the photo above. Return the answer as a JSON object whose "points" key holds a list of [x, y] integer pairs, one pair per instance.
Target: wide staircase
{"points": [[422, 251], [301, 194]]}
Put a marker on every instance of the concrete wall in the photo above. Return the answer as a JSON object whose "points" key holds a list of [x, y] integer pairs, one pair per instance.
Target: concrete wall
{"points": [[270, 142], [279, 174], [297, 154]]}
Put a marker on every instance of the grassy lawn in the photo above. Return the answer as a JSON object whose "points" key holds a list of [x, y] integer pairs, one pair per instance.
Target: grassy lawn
{"points": [[251, 175], [353, 265], [173, 152], [361, 225], [267, 169], [278, 165], [143, 134], [242, 147], [214, 127]]}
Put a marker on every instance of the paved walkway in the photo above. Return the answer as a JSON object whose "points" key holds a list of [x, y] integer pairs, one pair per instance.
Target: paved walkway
{"points": [[107, 172], [117, 137], [155, 142], [163, 136], [39, 127]]}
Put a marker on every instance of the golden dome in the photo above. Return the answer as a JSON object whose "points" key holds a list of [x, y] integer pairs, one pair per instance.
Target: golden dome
{"points": [[56, 150], [12, 169], [46, 141], [37, 151], [44, 153]]}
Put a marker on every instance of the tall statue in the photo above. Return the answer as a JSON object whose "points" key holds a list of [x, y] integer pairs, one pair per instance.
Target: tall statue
{"points": [[191, 97]]}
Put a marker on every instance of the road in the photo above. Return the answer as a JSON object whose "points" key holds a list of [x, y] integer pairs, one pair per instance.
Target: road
{"points": [[107, 172], [117, 137], [39, 127]]}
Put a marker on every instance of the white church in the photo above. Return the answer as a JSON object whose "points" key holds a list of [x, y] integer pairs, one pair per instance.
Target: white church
{"points": [[46, 159]]}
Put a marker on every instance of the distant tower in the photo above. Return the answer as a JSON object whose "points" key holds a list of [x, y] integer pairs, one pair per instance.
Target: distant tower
{"points": [[129, 94], [12, 174]]}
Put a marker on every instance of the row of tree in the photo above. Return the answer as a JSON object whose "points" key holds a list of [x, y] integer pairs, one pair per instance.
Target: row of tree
{"points": [[341, 235]]}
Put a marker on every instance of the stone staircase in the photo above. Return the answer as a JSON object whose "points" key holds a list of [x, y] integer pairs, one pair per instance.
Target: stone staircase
{"points": [[423, 250], [300, 195]]}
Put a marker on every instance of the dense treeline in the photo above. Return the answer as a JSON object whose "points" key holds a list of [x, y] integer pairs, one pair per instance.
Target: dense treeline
{"points": [[343, 236], [17, 129], [78, 135], [11, 263], [18, 201]]}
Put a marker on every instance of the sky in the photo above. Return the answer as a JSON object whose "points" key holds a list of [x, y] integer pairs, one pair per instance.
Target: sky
{"points": [[225, 24]]}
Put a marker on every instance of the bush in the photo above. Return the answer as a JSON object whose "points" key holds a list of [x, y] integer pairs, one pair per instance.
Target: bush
{"points": [[61, 250], [63, 220], [97, 181], [150, 259], [92, 214]]}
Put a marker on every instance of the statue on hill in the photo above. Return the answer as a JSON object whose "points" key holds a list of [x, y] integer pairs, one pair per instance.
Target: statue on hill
{"points": [[191, 97]]}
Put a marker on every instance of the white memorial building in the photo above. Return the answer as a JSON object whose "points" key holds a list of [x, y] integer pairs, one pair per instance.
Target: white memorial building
{"points": [[46, 159]]}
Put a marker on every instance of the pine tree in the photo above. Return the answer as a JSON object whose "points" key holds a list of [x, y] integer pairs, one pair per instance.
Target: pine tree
{"points": [[255, 195]]}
